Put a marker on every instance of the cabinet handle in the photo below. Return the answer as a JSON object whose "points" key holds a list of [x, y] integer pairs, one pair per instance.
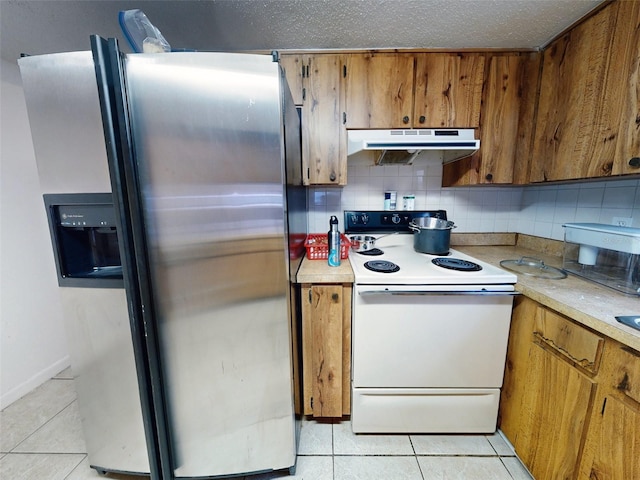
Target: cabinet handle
{"points": [[634, 162], [405, 119], [422, 119], [332, 176], [489, 177]]}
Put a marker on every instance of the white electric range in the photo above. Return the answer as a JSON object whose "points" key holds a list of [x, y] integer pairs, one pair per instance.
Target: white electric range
{"points": [[428, 341]]}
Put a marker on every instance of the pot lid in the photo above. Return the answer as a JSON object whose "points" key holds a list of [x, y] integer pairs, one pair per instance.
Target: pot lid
{"points": [[533, 267]]}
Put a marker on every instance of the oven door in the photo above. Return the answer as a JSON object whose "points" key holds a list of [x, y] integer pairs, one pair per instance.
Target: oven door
{"points": [[430, 336]]}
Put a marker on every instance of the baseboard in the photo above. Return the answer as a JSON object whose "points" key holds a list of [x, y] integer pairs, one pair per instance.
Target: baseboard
{"points": [[7, 398]]}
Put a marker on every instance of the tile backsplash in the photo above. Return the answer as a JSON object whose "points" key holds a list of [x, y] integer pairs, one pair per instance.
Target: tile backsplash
{"points": [[533, 210]]}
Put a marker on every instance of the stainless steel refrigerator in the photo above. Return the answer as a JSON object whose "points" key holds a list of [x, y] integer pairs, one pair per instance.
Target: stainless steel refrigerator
{"points": [[203, 159]]}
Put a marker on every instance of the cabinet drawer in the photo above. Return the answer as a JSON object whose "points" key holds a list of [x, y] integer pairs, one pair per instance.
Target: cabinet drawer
{"points": [[568, 339], [625, 370]]}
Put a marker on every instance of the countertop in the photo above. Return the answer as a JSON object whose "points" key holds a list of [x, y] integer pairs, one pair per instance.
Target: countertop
{"points": [[319, 271], [588, 303]]}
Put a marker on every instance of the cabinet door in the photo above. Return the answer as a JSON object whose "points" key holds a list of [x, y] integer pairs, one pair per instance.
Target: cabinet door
{"points": [[506, 81], [616, 448], [545, 401], [580, 100], [325, 329], [324, 157], [379, 90], [627, 44], [612, 449], [555, 412], [448, 90]]}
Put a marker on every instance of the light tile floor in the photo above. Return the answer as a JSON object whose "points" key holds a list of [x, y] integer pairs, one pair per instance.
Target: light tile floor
{"points": [[41, 439]]}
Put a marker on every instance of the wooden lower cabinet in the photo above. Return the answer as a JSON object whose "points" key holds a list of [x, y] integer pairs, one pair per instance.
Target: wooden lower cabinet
{"points": [[612, 449], [613, 452], [570, 403], [546, 399], [326, 349], [553, 416]]}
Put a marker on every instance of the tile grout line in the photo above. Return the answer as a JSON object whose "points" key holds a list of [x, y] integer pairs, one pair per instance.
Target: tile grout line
{"points": [[38, 429]]}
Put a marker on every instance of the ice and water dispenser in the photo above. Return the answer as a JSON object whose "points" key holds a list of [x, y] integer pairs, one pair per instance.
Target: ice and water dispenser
{"points": [[85, 241], [606, 254]]}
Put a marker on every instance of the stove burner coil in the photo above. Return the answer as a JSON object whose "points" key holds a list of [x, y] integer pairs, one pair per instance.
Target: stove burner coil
{"points": [[382, 266], [374, 252], [457, 264]]}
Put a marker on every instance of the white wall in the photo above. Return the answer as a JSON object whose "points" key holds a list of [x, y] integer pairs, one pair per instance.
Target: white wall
{"points": [[32, 341], [534, 210]]}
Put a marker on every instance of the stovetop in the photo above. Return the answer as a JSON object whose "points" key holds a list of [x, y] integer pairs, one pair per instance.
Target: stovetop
{"points": [[416, 268]]}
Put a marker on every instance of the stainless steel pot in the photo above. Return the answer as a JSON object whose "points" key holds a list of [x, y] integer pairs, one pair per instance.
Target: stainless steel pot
{"points": [[362, 243], [431, 235]]}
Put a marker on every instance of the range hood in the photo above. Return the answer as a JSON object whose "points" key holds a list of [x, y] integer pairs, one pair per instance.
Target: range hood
{"points": [[403, 146]]}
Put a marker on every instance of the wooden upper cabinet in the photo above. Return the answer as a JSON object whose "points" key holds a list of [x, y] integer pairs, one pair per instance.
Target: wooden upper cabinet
{"points": [[431, 90], [627, 40], [508, 101], [584, 87], [379, 90], [448, 90], [324, 158]]}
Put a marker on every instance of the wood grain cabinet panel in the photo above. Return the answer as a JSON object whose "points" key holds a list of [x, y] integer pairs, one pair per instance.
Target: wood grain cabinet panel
{"points": [[379, 90], [316, 84], [326, 349], [506, 124], [555, 412], [576, 344], [448, 90], [293, 71], [324, 157], [546, 401], [612, 449], [570, 402], [627, 42], [587, 123], [429, 90], [616, 444]]}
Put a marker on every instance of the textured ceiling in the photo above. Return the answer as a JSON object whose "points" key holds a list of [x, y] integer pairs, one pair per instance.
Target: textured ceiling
{"points": [[37, 27]]}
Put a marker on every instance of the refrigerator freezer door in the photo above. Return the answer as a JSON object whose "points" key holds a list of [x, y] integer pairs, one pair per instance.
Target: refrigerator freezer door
{"points": [[66, 126], [207, 135], [97, 324]]}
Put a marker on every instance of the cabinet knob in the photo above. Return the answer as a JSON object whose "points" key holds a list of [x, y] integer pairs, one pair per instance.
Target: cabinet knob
{"points": [[422, 119], [489, 177], [405, 119], [634, 162], [335, 298], [332, 176]]}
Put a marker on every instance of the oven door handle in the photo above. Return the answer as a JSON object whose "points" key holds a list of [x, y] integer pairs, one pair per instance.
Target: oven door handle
{"points": [[366, 293]]}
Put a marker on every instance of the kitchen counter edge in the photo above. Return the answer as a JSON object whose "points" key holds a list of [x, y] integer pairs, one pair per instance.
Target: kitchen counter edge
{"points": [[587, 303], [318, 271]]}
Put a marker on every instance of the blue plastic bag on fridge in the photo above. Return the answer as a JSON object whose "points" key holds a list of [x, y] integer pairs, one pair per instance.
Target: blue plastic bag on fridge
{"points": [[141, 34]]}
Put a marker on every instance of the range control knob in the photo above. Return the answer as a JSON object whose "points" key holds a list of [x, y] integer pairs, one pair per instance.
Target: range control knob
{"points": [[365, 218], [395, 218]]}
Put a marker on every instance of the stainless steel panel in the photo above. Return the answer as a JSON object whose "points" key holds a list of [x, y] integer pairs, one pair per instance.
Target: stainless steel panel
{"points": [[207, 133], [66, 124], [97, 326]]}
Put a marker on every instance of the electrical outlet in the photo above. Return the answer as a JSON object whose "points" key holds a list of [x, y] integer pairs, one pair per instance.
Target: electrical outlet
{"points": [[622, 221]]}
